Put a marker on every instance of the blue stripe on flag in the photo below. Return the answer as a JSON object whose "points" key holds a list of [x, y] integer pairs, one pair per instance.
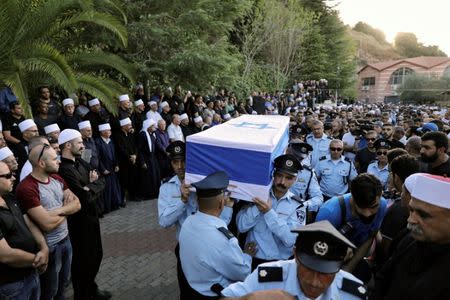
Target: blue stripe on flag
{"points": [[241, 165]]}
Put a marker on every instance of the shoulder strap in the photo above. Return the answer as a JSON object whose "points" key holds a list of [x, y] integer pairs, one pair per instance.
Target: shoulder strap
{"points": [[226, 232], [343, 210], [307, 186], [270, 274], [355, 288]]}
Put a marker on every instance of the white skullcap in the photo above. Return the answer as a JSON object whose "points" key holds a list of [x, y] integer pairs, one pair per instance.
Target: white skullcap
{"points": [[5, 152], [103, 127], [226, 116], [26, 124], [84, 124], [198, 119], [124, 97], [125, 121], [164, 104], [93, 102], [148, 123], [68, 135], [183, 117], [254, 112], [429, 188], [138, 102], [152, 103], [51, 128], [68, 101]]}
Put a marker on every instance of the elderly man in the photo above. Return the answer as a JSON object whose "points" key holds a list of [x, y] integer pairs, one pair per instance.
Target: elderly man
{"points": [[46, 199], [52, 131], [23, 249], [7, 156], [69, 119], [21, 150], [138, 115], [319, 141], [314, 273], [91, 152], [84, 226], [153, 113], [174, 130], [420, 267], [96, 116]]}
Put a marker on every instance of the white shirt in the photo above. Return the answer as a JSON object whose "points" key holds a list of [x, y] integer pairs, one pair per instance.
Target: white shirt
{"points": [[26, 170], [154, 115], [175, 133]]}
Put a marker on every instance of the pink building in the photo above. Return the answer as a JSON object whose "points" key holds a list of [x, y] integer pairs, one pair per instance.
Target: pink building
{"points": [[379, 82]]}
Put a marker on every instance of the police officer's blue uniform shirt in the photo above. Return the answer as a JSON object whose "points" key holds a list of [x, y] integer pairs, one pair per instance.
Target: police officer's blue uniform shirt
{"points": [[289, 283], [320, 147], [172, 210], [209, 256], [335, 177], [331, 211], [300, 188], [272, 230], [382, 174]]}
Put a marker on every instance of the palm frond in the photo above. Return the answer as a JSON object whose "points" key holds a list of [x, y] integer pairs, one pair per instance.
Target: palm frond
{"points": [[19, 89], [111, 6]]}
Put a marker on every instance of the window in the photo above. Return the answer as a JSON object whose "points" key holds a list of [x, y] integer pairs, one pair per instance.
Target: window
{"points": [[368, 81], [398, 76]]}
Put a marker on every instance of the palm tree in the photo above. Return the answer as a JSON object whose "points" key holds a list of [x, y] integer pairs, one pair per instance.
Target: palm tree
{"points": [[29, 55]]}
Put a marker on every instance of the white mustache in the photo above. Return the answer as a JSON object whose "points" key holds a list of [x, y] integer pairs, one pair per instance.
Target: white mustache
{"points": [[415, 228]]}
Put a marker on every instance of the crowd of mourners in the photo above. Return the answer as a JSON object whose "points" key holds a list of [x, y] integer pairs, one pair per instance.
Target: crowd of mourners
{"points": [[358, 207]]}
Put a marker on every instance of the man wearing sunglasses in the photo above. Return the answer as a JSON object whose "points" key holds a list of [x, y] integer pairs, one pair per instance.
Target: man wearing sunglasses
{"points": [[379, 168], [46, 199], [334, 171]]}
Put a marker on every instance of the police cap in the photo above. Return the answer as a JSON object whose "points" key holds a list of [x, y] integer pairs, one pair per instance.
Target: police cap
{"points": [[287, 163], [212, 185], [176, 150], [320, 247], [382, 143], [300, 147]]}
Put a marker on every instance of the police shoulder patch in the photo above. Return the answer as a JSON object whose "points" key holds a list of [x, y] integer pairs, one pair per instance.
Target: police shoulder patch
{"points": [[354, 288], [269, 274], [226, 232], [322, 158], [301, 213]]}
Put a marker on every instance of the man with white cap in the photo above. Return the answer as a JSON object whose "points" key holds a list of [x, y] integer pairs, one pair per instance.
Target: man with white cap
{"points": [[153, 113], [198, 123], [174, 129], [109, 167], [96, 116], [91, 151], [165, 112], [52, 131], [420, 266], [149, 175], [84, 226], [126, 152], [185, 128], [21, 150], [68, 118], [314, 273], [138, 115], [124, 107], [7, 156]]}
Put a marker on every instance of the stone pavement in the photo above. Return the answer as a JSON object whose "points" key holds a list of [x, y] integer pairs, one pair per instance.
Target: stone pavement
{"points": [[138, 259]]}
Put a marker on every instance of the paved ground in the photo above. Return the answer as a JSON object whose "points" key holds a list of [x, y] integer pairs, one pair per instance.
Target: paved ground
{"points": [[138, 260]]}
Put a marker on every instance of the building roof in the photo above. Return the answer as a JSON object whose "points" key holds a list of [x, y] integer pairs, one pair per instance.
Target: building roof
{"points": [[426, 62]]}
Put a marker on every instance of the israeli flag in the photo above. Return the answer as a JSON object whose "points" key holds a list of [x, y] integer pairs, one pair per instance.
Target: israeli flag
{"points": [[244, 148]]}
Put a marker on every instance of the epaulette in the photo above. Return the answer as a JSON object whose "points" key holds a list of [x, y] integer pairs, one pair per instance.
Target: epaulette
{"points": [[226, 232], [165, 180], [306, 167], [270, 274], [347, 159], [322, 158], [354, 288], [298, 199]]}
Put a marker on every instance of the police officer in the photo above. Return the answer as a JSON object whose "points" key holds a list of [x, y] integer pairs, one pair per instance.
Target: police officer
{"points": [[314, 273], [335, 171], [319, 141], [269, 222], [380, 167], [210, 255], [306, 187], [176, 202]]}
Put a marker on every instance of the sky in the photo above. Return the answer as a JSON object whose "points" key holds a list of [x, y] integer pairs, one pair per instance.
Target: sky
{"points": [[428, 20]]}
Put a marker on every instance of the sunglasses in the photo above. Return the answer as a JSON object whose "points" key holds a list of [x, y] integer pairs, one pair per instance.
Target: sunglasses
{"points": [[7, 176], [381, 152], [44, 146], [335, 149]]}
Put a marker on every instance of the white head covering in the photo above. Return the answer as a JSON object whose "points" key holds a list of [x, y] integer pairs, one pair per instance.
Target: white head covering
{"points": [[183, 117], [152, 103], [198, 119], [5, 152], [51, 128], [68, 101], [26, 124], [164, 104], [429, 188], [68, 135], [254, 112], [226, 117], [124, 97], [93, 102], [148, 123], [125, 121], [138, 102], [84, 124], [103, 127]]}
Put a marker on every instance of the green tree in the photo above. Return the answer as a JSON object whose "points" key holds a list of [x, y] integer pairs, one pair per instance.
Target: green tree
{"points": [[30, 55], [367, 29], [420, 89], [407, 44]]}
